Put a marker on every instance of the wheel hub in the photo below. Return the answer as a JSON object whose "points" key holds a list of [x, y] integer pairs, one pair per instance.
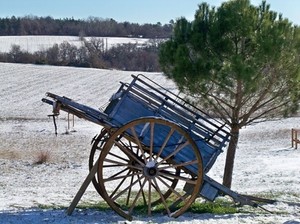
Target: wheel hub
{"points": [[150, 170]]}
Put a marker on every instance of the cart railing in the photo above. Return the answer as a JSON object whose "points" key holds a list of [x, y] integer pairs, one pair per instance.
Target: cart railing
{"points": [[144, 97]]}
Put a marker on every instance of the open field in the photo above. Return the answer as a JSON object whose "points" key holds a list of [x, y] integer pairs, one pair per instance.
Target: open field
{"points": [[266, 165], [40, 43]]}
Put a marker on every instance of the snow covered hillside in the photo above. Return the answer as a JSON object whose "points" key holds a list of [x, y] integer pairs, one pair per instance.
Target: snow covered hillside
{"points": [[37, 43], [266, 165]]}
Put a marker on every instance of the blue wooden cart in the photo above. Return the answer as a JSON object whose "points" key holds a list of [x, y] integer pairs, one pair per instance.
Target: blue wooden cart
{"points": [[154, 151]]}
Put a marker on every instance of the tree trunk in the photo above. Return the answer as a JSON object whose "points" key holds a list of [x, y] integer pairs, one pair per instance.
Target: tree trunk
{"points": [[228, 170]]}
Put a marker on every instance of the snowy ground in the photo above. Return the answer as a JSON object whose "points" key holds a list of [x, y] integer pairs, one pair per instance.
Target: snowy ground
{"points": [[266, 165], [39, 43]]}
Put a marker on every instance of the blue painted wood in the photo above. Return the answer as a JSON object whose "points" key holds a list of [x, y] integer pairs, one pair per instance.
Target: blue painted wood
{"points": [[141, 99]]}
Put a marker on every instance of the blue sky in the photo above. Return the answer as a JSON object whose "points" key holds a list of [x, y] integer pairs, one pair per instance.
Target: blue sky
{"points": [[137, 11]]}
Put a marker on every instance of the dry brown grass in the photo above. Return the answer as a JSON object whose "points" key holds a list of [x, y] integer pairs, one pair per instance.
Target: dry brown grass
{"points": [[6, 154], [42, 157]]}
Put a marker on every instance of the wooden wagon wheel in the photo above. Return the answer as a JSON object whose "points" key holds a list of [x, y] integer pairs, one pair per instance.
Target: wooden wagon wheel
{"points": [[97, 146], [139, 163]]}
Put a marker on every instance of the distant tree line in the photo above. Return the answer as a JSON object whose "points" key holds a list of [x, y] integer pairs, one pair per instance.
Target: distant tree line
{"points": [[92, 54], [92, 26]]}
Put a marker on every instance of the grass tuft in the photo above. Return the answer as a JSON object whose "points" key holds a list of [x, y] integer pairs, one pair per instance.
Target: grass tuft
{"points": [[216, 207], [42, 157]]}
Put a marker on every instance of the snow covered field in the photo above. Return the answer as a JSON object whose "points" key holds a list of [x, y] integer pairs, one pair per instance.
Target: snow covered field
{"points": [[37, 43], [266, 165]]}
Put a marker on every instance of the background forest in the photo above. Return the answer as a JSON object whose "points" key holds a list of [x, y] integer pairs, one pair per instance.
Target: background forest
{"points": [[93, 52]]}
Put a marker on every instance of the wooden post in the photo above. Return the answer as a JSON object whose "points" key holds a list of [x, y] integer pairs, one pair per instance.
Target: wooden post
{"points": [[83, 188], [292, 137], [292, 134], [68, 121], [73, 121], [295, 139]]}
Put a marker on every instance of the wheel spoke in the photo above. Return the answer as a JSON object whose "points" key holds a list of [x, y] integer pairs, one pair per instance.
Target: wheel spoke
{"points": [[165, 142], [117, 156], [115, 177], [119, 185], [118, 173], [113, 165], [143, 194], [128, 152], [161, 196], [178, 165], [163, 172], [151, 140], [149, 197], [129, 191], [187, 180], [138, 142], [179, 147], [115, 162], [137, 196], [171, 188], [132, 148], [119, 164], [125, 189]]}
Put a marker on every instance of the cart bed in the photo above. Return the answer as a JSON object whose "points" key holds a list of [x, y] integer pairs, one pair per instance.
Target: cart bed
{"points": [[145, 98]]}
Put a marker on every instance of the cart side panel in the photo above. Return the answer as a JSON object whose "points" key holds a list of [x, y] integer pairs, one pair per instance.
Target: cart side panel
{"points": [[131, 108], [175, 141], [128, 109]]}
